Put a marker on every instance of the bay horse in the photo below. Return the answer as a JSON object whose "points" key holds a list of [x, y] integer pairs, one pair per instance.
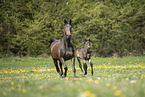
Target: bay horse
{"points": [[62, 50], [85, 54]]}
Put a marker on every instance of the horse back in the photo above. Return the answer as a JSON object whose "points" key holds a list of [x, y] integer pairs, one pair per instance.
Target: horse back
{"points": [[80, 53]]}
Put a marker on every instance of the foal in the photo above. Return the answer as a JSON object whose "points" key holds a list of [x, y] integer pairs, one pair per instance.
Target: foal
{"points": [[84, 53]]}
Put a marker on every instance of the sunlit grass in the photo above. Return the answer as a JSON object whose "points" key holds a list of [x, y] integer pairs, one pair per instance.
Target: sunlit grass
{"points": [[37, 77]]}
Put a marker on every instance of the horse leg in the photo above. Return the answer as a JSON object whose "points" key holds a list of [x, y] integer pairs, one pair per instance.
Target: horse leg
{"points": [[60, 64], [73, 66], [85, 66], [57, 68], [80, 65], [65, 67], [91, 64]]}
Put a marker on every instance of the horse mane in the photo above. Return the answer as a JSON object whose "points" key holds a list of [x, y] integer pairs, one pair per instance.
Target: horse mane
{"points": [[52, 40]]}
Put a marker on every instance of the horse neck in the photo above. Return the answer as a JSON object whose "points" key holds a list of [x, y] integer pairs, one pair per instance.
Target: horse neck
{"points": [[86, 49], [65, 41]]}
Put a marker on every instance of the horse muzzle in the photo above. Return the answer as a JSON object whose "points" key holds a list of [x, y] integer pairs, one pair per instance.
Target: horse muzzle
{"points": [[68, 36]]}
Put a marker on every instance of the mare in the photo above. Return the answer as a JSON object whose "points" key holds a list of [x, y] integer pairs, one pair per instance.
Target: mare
{"points": [[62, 50], [84, 54]]}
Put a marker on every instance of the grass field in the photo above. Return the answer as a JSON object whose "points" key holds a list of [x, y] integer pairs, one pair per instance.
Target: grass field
{"points": [[37, 77]]}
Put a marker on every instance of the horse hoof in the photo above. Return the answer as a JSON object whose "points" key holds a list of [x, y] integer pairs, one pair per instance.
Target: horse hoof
{"points": [[83, 73], [63, 76]]}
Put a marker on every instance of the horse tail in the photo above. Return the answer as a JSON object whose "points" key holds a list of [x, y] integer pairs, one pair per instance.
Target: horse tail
{"points": [[52, 40]]}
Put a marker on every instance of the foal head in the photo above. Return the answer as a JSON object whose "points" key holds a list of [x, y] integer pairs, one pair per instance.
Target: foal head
{"points": [[67, 28], [87, 44]]}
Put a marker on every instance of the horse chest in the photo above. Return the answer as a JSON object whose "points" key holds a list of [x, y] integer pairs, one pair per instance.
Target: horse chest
{"points": [[68, 54]]}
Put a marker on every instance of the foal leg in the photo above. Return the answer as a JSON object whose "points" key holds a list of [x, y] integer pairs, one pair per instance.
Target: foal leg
{"points": [[80, 65], [85, 66], [57, 68], [73, 66], [65, 67], [91, 64], [60, 64]]}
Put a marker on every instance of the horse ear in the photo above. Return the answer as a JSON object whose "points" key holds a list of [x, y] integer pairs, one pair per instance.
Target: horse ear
{"points": [[65, 21], [69, 21]]}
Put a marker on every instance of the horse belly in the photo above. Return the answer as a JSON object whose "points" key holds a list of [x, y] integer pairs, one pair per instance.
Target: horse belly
{"points": [[55, 53], [79, 53], [68, 55]]}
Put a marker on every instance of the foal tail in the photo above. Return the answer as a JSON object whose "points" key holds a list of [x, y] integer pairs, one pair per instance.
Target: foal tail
{"points": [[52, 40]]}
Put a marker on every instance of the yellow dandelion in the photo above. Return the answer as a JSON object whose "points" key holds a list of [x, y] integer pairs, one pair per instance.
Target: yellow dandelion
{"points": [[118, 93], [12, 83], [115, 87], [105, 78], [96, 81], [141, 77], [40, 87], [19, 86], [92, 95], [54, 89], [87, 92], [89, 80], [127, 79], [24, 90], [12, 88], [4, 93], [108, 84], [77, 81]]}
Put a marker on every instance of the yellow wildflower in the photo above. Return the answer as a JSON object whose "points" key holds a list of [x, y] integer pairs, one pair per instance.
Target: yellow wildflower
{"points": [[4, 93], [115, 87], [92, 95], [12, 83], [19, 86], [89, 80], [108, 84], [54, 89], [88, 94], [12, 88], [77, 81], [127, 79], [118, 93], [96, 81], [40, 87], [23, 90]]}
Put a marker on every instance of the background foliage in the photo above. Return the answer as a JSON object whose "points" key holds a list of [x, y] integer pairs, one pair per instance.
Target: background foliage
{"points": [[115, 27]]}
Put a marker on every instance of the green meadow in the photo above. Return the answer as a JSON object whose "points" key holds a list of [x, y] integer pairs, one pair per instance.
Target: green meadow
{"points": [[37, 77]]}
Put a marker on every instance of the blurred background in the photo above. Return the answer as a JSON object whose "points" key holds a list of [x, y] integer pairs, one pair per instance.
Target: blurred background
{"points": [[115, 27]]}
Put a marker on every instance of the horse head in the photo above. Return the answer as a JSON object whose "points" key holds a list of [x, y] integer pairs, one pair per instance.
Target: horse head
{"points": [[87, 44], [67, 28]]}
